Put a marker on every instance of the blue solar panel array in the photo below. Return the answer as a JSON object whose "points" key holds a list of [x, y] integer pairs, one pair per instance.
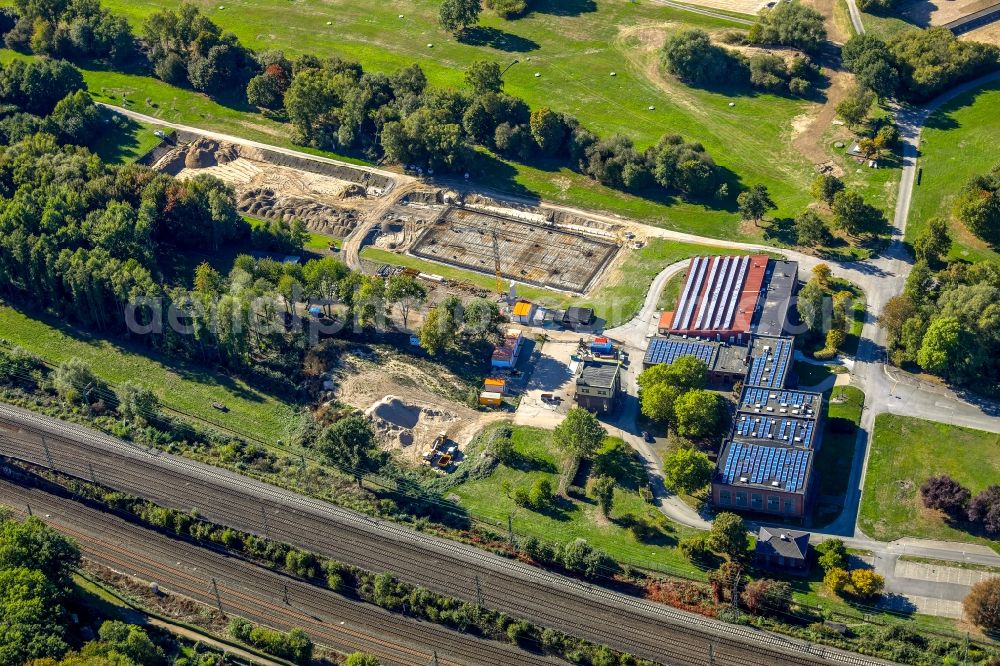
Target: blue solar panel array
{"points": [[791, 400], [768, 368], [665, 350], [781, 429], [760, 465]]}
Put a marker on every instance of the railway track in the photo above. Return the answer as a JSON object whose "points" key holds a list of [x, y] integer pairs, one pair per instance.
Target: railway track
{"points": [[646, 629], [258, 593]]}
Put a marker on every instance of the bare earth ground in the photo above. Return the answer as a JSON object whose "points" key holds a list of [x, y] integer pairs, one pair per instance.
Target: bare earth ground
{"points": [[408, 403], [939, 12], [269, 191], [989, 34]]}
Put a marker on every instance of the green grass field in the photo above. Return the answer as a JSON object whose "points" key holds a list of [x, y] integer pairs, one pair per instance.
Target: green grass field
{"points": [[904, 453], [485, 498], [573, 47], [187, 388], [127, 143], [958, 142]]}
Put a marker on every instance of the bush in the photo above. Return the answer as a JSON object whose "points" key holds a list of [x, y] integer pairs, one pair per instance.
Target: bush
{"points": [[767, 597], [690, 56], [866, 584], [836, 580], [695, 548]]}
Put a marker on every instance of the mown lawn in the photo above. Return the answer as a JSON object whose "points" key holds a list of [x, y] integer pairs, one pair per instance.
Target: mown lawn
{"points": [[126, 142], [573, 46], [904, 453], [958, 142], [573, 518], [184, 387]]}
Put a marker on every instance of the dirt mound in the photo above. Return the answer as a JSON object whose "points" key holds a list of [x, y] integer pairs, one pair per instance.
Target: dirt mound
{"points": [[206, 153], [401, 424], [265, 203]]}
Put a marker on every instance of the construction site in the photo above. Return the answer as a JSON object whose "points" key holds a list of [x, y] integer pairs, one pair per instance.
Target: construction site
{"points": [[542, 255]]}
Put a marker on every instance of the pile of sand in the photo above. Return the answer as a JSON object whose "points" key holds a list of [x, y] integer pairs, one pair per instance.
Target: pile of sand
{"points": [[399, 424]]}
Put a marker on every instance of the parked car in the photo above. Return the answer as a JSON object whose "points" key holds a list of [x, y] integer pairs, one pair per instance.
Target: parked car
{"points": [[647, 437]]}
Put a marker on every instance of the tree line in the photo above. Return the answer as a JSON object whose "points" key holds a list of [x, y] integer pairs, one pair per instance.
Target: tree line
{"points": [[334, 104]]}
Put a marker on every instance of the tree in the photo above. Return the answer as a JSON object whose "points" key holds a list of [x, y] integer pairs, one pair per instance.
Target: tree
{"points": [[944, 348], [265, 91], [405, 292], [945, 494], [789, 24], [896, 311], [698, 413], [349, 444], [690, 55], [832, 554], [541, 495], [811, 306], [978, 206], [866, 584], [131, 641], [548, 129], [580, 433], [361, 659], [852, 215], [32, 544], [603, 490], [766, 596], [74, 380], [686, 470], [934, 242], [483, 76], [984, 510], [458, 15], [822, 273], [826, 186], [810, 229], [855, 105], [657, 402], [728, 536], [754, 203], [982, 605], [441, 326], [483, 320], [136, 402], [836, 580], [835, 339]]}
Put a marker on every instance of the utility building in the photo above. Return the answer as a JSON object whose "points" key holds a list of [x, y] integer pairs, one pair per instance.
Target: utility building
{"points": [[598, 386]]}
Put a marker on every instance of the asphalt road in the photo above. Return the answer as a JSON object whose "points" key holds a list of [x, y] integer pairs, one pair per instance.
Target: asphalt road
{"points": [[257, 593], [643, 628]]}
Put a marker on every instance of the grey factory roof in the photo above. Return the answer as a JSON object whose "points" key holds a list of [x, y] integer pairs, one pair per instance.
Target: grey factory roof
{"points": [[597, 374], [779, 286]]}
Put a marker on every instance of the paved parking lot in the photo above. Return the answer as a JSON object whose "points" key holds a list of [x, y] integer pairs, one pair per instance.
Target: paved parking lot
{"points": [[549, 372], [941, 574]]}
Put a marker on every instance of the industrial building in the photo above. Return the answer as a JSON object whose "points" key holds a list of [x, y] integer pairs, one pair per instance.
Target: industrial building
{"points": [[766, 463], [726, 363], [598, 386], [729, 298]]}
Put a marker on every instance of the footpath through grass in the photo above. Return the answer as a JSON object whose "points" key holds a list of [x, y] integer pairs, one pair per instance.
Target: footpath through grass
{"points": [[959, 141], [184, 387], [573, 46], [571, 518], [905, 452]]}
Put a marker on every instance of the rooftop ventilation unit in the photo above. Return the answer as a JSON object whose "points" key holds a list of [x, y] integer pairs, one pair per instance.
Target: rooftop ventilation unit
{"points": [[744, 479], [775, 484]]}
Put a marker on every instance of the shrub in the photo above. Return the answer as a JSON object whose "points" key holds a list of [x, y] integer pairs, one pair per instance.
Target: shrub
{"points": [[984, 509], [695, 548], [866, 584], [837, 580], [765, 596]]}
